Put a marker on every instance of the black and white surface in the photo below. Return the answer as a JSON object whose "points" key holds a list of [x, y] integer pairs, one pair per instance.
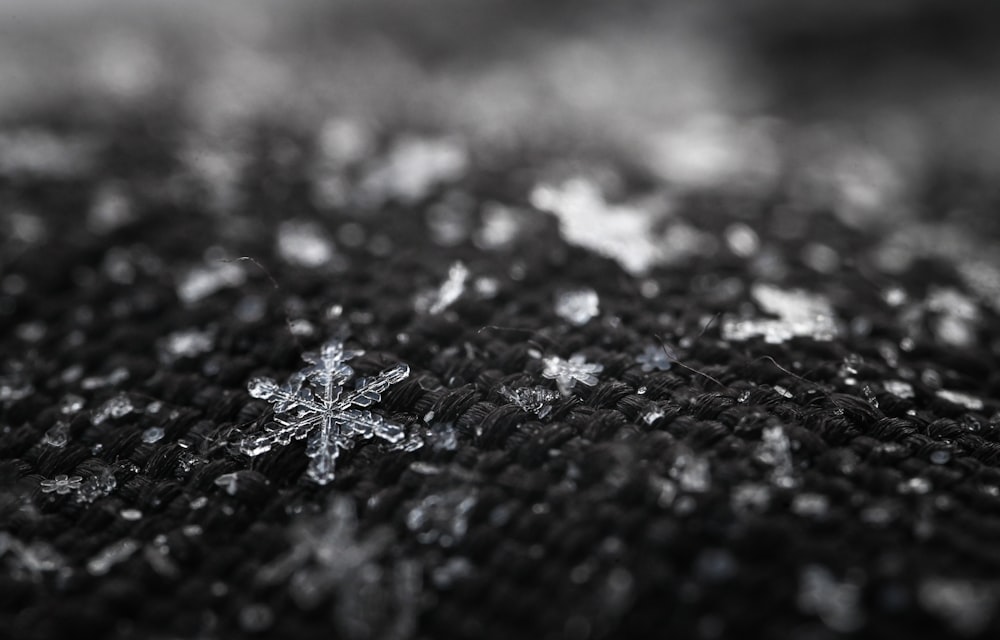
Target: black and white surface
{"points": [[379, 321]]}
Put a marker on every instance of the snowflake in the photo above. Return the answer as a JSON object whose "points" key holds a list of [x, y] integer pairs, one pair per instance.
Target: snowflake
{"points": [[567, 373], [314, 404], [656, 357], [61, 484]]}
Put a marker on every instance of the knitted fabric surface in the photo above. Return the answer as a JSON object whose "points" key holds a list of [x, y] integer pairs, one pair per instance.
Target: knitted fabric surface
{"points": [[398, 362]]}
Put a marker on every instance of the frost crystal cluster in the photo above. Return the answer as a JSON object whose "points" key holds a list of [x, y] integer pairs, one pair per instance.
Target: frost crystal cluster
{"points": [[435, 301], [799, 314], [577, 306], [315, 404], [567, 373], [536, 400]]}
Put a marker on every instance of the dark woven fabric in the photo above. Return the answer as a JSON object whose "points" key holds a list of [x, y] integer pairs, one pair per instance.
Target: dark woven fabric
{"points": [[747, 489]]}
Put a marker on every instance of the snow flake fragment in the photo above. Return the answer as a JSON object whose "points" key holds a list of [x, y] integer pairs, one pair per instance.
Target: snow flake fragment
{"points": [[314, 404], [567, 373], [577, 306], [61, 484], [800, 314], [536, 400], [434, 301], [414, 168], [152, 435], [117, 407], [774, 450]]}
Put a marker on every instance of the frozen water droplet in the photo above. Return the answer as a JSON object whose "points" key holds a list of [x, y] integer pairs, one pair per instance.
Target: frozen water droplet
{"points": [[783, 392], [743, 397], [71, 404], [57, 435], [870, 396], [152, 434], [641, 390], [186, 344], [130, 514], [203, 281], [577, 306], [199, 502], [940, 456]]}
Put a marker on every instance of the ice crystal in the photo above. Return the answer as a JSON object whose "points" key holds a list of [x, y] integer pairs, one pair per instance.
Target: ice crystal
{"points": [[567, 373], [116, 376], [536, 400], [623, 233], [577, 306], [962, 399], [116, 407], [57, 436], [152, 434], [656, 357], [691, 472], [435, 301], [97, 486], [799, 314], [61, 484], [315, 404]]}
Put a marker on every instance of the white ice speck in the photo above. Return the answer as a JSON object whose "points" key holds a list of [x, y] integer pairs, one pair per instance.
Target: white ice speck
{"points": [[304, 244], [810, 504], [130, 514], [316, 404], [899, 388], [963, 399], [205, 280], [229, 482], [187, 343], [501, 226], [435, 301], [691, 472], [111, 555], [799, 314], [567, 373], [577, 306]]}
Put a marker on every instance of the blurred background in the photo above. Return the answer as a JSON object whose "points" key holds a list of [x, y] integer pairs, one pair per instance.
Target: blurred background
{"points": [[874, 111]]}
